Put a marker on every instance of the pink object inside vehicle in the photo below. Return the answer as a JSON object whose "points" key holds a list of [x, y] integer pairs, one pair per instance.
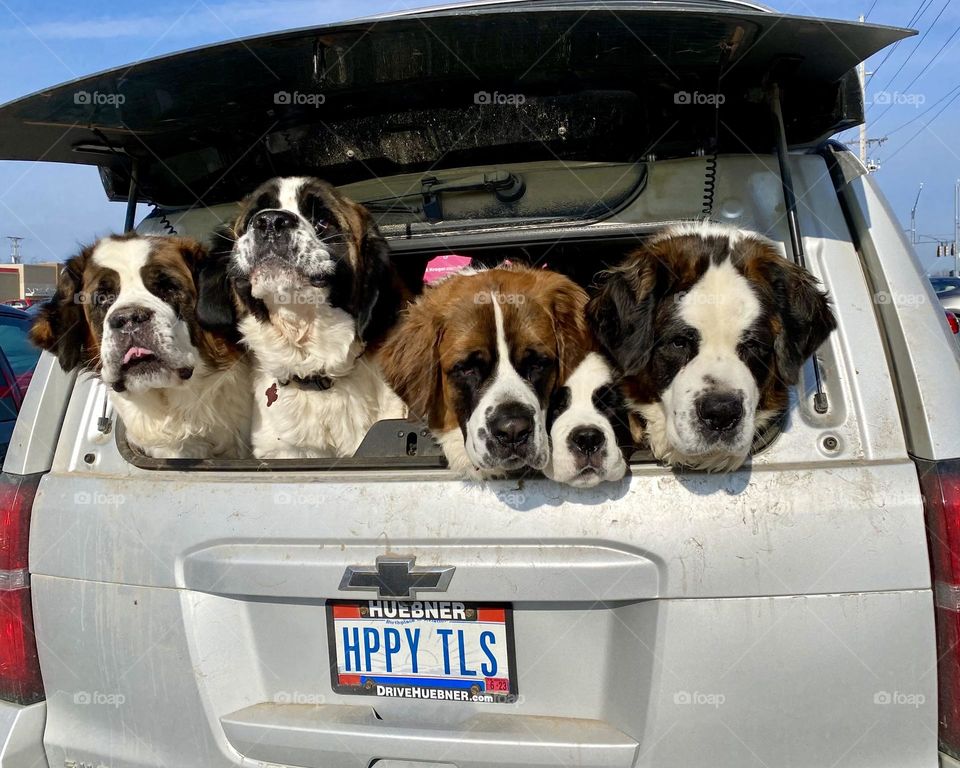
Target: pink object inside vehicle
{"points": [[440, 266]]}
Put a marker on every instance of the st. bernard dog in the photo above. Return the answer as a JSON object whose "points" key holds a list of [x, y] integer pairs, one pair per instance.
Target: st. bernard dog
{"points": [[308, 282], [589, 426], [479, 355], [125, 307], [710, 326]]}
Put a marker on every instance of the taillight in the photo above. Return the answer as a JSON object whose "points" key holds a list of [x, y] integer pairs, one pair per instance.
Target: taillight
{"points": [[19, 667], [953, 322]]}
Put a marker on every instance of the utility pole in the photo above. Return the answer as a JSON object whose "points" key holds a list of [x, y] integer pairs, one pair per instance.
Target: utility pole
{"points": [[862, 72], [913, 216], [15, 257], [870, 165], [873, 165]]}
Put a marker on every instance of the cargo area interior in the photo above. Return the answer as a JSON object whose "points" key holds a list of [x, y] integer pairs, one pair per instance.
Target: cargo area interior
{"points": [[580, 255]]}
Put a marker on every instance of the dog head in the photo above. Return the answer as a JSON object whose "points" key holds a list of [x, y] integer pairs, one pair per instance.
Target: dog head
{"points": [[710, 326], [588, 424], [299, 248], [478, 356], [126, 306]]}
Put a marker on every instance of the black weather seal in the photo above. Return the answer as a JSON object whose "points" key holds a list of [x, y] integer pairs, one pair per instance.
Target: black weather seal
{"points": [[820, 402], [133, 456]]}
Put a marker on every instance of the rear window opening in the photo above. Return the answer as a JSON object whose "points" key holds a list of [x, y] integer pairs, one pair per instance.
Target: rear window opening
{"points": [[489, 198], [402, 444]]}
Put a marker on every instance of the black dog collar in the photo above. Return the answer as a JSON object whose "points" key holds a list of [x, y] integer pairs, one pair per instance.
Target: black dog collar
{"points": [[318, 382]]}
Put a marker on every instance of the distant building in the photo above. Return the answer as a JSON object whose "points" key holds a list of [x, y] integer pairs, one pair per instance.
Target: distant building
{"points": [[34, 282]]}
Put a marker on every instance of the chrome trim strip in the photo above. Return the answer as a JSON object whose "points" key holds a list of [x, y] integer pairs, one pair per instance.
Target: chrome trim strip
{"points": [[18, 578], [947, 596]]}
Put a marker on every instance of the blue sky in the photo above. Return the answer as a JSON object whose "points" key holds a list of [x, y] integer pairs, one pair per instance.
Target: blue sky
{"points": [[54, 207]]}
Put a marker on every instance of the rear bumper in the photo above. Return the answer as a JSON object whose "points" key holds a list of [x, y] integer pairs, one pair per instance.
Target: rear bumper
{"points": [[21, 735]]}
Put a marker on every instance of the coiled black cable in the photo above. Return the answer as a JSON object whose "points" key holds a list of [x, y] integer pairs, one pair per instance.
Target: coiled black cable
{"points": [[165, 222], [711, 153], [709, 185]]}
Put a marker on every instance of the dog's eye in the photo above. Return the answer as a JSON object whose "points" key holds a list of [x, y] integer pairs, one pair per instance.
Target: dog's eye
{"points": [[607, 400], [534, 364], [471, 368], [678, 347], [756, 347], [318, 214], [165, 284], [103, 296]]}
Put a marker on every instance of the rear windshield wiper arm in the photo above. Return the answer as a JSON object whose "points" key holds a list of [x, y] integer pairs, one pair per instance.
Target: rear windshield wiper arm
{"points": [[507, 188]]}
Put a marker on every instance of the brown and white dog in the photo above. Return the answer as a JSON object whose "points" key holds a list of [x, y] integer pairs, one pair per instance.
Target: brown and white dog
{"points": [[479, 355], [307, 280], [125, 307], [710, 326]]}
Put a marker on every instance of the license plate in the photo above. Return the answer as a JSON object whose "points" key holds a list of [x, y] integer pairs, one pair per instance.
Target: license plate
{"points": [[422, 649]]}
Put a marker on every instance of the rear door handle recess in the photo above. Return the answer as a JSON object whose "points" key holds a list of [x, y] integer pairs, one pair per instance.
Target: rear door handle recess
{"points": [[345, 736]]}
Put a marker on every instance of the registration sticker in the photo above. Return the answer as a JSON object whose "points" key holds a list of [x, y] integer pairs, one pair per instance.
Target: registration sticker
{"points": [[422, 649]]}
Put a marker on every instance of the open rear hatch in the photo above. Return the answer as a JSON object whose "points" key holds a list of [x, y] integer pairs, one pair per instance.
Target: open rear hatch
{"points": [[457, 87]]}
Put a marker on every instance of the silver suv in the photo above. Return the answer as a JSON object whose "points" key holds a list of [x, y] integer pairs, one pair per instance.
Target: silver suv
{"points": [[802, 611]]}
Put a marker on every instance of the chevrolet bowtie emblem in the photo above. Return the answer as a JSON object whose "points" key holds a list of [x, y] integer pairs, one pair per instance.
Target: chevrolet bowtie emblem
{"points": [[397, 577]]}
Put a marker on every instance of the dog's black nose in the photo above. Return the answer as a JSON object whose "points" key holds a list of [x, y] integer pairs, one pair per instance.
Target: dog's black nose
{"points": [[586, 440], [720, 412], [512, 425], [128, 318], [274, 221]]}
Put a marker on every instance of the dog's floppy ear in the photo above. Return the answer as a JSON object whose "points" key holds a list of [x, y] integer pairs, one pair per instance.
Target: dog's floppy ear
{"points": [[411, 363], [61, 327], [193, 253], [574, 338], [622, 309], [216, 310], [807, 320], [380, 293]]}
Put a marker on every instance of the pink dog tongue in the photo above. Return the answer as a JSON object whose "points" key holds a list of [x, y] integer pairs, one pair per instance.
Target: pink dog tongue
{"points": [[135, 353]]}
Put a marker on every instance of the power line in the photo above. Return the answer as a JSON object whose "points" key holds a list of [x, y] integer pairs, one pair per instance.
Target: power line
{"points": [[922, 129], [919, 12], [935, 57], [916, 47], [928, 109], [921, 9], [892, 102]]}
